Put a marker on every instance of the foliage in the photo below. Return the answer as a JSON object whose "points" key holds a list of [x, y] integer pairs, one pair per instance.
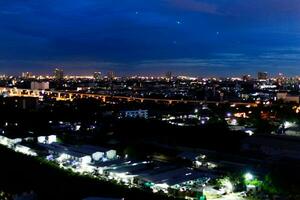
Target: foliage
{"points": [[269, 186]]}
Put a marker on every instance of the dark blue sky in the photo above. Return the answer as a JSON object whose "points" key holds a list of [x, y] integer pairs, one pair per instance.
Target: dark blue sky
{"points": [[196, 37]]}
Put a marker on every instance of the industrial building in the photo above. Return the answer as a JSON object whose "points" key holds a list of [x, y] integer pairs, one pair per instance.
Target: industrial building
{"points": [[83, 154]]}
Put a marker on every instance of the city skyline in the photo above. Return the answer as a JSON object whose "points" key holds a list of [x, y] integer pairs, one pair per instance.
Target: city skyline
{"points": [[150, 99], [167, 74], [201, 38]]}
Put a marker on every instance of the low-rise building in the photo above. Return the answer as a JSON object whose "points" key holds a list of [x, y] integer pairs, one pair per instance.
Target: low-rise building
{"points": [[35, 85], [287, 98], [84, 153], [134, 114]]}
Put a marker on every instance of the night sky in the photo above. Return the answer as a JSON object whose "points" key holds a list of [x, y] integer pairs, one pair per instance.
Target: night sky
{"points": [[191, 37]]}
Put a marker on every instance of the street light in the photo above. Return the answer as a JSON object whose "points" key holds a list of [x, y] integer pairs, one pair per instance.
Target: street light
{"points": [[288, 124], [248, 176]]}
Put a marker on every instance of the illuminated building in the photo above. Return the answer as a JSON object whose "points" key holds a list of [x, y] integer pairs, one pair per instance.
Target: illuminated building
{"points": [[39, 85], [58, 74], [134, 114], [84, 153], [285, 97], [26, 75], [111, 75], [262, 75], [169, 75], [97, 75], [246, 77], [47, 139]]}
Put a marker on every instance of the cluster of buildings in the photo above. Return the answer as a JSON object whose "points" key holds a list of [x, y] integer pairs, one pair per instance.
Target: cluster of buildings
{"points": [[244, 89], [190, 119], [105, 164], [142, 114], [15, 145], [78, 155]]}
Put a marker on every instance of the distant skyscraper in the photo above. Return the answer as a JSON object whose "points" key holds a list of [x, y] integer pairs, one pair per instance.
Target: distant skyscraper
{"points": [[169, 75], [246, 77], [280, 78], [111, 75], [262, 75], [26, 75], [97, 75], [58, 74]]}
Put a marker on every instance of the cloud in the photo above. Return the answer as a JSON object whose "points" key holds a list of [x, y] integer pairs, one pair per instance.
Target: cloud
{"points": [[227, 64], [83, 32], [220, 64], [46, 66]]}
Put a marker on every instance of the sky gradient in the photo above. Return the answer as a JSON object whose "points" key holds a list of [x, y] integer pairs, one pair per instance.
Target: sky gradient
{"points": [[192, 37]]}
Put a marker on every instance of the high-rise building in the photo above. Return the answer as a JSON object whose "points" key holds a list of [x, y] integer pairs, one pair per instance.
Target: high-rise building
{"points": [[169, 75], [280, 78], [97, 75], [246, 77], [58, 74], [26, 75], [111, 75], [262, 75]]}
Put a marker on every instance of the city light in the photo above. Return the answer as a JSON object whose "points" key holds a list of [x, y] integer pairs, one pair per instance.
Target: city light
{"points": [[249, 132], [288, 124], [124, 99], [248, 176]]}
